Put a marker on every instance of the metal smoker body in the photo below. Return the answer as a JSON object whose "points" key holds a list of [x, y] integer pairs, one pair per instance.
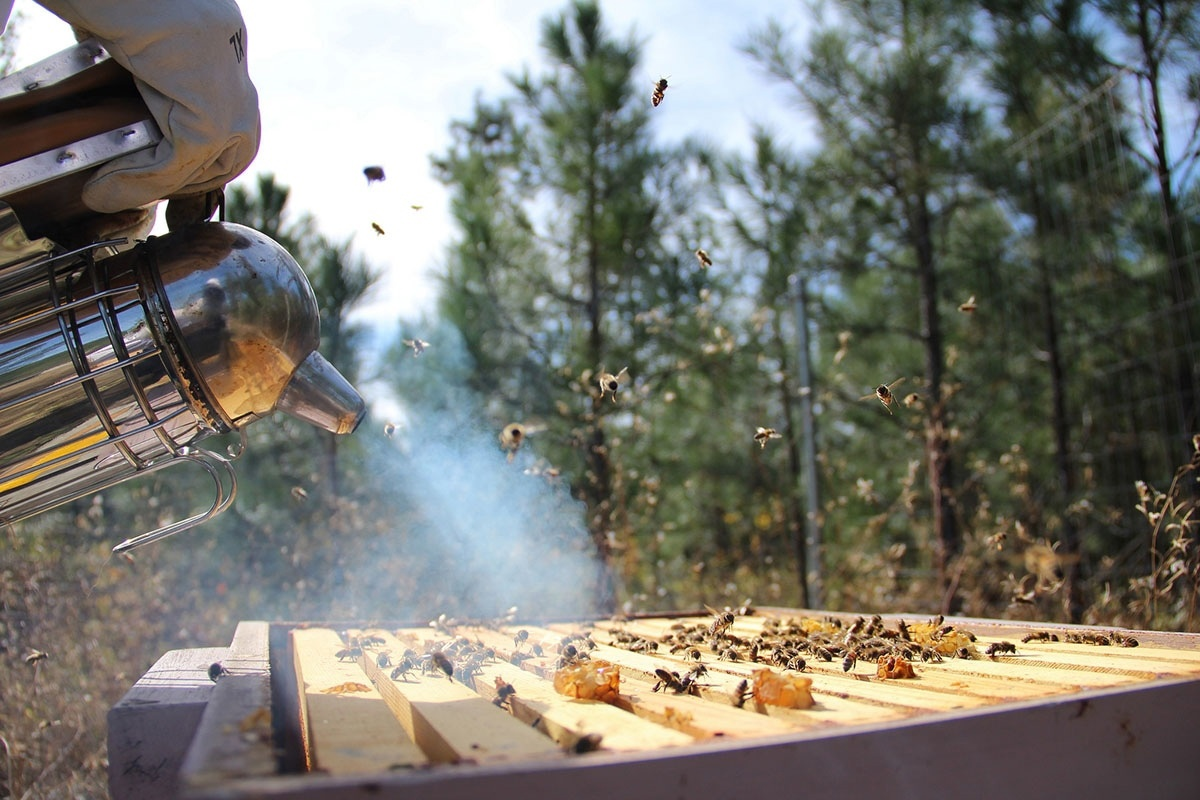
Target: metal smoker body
{"points": [[113, 367]]}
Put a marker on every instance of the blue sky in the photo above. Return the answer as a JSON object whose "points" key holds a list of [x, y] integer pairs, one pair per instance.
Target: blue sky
{"points": [[378, 82]]}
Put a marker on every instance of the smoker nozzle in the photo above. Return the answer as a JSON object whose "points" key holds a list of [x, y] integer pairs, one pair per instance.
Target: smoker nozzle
{"points": [[319, 395]]}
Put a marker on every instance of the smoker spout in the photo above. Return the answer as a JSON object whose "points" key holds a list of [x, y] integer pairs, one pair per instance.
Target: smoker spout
{"points": [[319, 395]]}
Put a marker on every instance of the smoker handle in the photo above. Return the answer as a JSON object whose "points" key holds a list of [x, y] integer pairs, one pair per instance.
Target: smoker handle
{"points": [[211, 463]]}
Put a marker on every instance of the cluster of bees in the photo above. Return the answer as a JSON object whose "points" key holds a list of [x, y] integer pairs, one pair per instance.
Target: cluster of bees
{"points": [[792, 643], [460, 658], [1098, 638]]}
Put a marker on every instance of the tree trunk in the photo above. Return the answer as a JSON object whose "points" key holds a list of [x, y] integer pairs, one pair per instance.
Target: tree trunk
{"points": [[937, 447], [793, 505]]}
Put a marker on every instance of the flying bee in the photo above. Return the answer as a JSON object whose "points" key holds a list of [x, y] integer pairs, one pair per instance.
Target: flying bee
{"points": [[443, 663], [912, 400], [997, 648], [660, 90], [512, 436], [299, 494], [216, 671], [884, 393], [504, 692], [610, 383], [379, 231], [389, 429], [969, 306], [702, 257], [763, 435], [416, 206], [418, 346], [374, 173]]}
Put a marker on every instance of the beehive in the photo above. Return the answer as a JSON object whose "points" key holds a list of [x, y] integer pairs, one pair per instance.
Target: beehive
{"points": [[353, 718]]}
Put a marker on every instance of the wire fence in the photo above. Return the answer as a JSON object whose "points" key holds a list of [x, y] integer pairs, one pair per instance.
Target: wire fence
{"points": [[1115, 304]]}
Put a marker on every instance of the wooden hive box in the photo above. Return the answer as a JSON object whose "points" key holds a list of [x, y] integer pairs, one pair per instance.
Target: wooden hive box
{"points": [[1003, 710]]}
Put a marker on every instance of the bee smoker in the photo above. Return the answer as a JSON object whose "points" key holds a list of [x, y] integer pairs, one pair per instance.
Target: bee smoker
{"points": [[115, 364], [115, 367]]}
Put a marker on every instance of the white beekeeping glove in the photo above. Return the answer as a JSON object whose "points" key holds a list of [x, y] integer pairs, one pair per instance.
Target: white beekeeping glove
{"points": [[188, 59]]}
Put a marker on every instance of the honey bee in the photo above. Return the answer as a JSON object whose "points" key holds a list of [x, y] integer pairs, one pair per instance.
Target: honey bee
{"points": [[969, 306], [721, 621], [703, 258], [383, 661], [216, 671], [389, 429], [418, 346], [666, 680], [912, 400], [884, 393], [763, 435], [588, 743], [520, 638], [1040, 636], [504, 692], [849, 660], [843, 338], [374, 173], [741, 693], [443, 663], [379, 231], [511, 437], [299, 494], [610, 383], [660, 89], [416, 207], [998, 648], [350, 653], [403, 669]]}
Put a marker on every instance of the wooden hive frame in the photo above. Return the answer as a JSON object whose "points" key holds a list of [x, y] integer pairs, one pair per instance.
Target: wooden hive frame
{"points": [[1058, 717]]}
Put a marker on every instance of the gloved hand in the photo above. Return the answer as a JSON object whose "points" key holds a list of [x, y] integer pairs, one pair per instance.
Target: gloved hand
{"points": [[188, 59]]}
